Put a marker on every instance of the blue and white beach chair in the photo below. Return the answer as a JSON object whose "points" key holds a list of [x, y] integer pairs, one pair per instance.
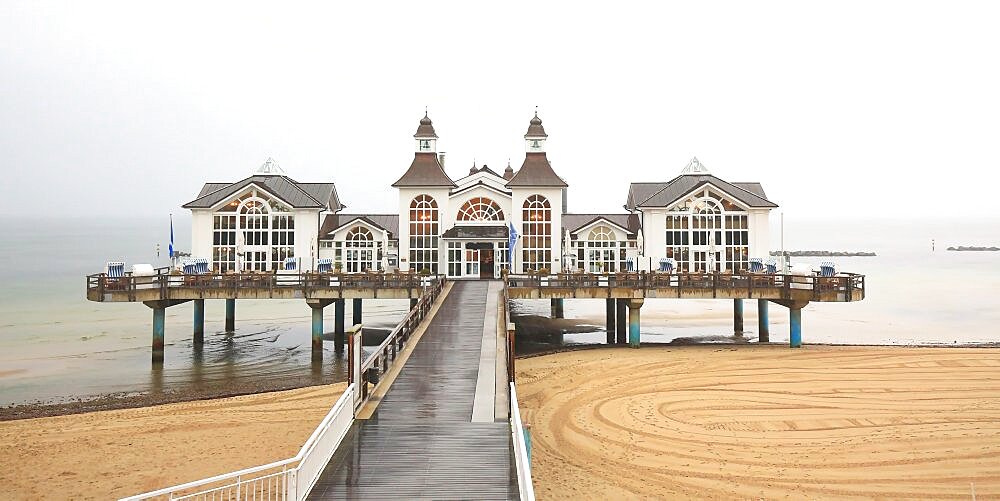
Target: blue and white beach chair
{"points": [[324, 265], [629, 265], [116, 269], [289, 264], [772, 267], [667, 265], [827, 269], [188, 267], [201, 266], [756, 265]]}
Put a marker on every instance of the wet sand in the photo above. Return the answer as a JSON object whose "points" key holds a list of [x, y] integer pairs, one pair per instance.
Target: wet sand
{"points": [[759, 421], [110, 454]]}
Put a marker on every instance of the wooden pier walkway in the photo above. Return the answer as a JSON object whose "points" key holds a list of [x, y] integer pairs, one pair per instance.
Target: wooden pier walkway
{"points": [[421, 442]]}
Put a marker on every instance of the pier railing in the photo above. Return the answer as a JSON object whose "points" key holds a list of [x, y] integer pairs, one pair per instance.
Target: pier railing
{"points": [[165, 285], [385, 354], [288, 479], [842, 287]]}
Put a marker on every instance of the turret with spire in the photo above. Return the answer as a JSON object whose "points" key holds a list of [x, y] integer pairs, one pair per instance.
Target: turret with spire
{"points": [[536, 169], [426, 169]]}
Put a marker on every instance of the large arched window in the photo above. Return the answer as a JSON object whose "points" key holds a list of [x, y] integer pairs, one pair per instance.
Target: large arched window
{"points": [[708, 232], [424, 234], [536, 250], [480, 209], [360, 249], [602, 250], [256, 228]]}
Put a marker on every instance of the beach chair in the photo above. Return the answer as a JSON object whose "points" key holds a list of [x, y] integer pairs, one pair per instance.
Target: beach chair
{"points": [[667, 265], [756, 265], [290, 264], [630, 265], [188, 267], [201, 266], [324, 265], [771, 267], [827, 269], [115, 277]]}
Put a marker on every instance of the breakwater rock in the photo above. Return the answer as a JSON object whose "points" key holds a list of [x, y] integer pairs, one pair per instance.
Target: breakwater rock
{"points": [[981, 249], [819, 253]]}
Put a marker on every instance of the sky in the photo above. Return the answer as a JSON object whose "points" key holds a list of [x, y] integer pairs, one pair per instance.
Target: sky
{"points": [[840, 109]]}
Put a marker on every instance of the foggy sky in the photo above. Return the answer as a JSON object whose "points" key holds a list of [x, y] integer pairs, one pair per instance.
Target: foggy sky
{"points": [[853, 108]]}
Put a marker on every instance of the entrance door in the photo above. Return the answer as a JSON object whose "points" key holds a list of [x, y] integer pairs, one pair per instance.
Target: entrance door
{"points": [[472, 262], [255, 259], [486, 264]]}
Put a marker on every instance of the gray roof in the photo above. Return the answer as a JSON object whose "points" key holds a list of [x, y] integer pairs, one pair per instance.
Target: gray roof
{"points": [[665, 194], [573, 222], [536, 171], [425, 170], [298, 195], [387, 222]]}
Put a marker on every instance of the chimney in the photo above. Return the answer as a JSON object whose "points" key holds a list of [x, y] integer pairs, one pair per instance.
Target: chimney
{"points": [[441, 158]]}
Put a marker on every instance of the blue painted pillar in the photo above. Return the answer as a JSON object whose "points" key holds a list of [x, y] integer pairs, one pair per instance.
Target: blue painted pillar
{"points": [[230, 315], [557, 308], [159, 317], [199, 321], [338, 325], [317, 331], [795, 327], [356, 308], [527, 441], [609, 305], [763, 326], [738, 317], [633, 322]]}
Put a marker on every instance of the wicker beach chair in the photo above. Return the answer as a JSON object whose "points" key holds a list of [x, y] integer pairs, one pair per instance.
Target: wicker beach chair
{"points": [[115, 277]]}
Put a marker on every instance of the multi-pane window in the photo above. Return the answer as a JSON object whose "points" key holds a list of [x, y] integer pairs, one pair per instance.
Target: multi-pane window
{"points": [[454, 259], [536, 250], [708, 233], [602, 250], [224, 243], [424, 234], [360, 249], [282, 240], [480, 209], [254, 222]]}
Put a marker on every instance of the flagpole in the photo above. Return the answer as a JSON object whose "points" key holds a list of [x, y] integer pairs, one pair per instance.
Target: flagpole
{"points": [[171, 248]]}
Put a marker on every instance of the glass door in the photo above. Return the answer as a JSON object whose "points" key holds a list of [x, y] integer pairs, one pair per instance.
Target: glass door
{"points": [[472, 262], [256, 259]]}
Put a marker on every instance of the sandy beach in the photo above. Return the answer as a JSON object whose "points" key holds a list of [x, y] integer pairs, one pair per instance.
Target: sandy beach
{"points": [[110, 454], [768, 422]]}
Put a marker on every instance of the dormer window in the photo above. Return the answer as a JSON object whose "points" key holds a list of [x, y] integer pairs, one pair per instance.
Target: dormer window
{"points": [[425, 145]]}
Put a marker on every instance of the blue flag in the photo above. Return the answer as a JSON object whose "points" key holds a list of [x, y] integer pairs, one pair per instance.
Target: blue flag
{"points": [[511, 242], [171, 248]]}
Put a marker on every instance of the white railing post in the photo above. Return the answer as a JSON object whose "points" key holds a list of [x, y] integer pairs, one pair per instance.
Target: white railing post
{"points": [[521, 460]]}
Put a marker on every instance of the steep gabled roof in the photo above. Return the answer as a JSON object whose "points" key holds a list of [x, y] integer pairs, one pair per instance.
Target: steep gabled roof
{"points": [[666, 194], [536, 171], [283, 187], [425, 170], [629, 222], [333, 222]]}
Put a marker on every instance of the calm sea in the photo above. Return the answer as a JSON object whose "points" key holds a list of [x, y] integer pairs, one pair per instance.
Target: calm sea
{"points": [[56, 346]]}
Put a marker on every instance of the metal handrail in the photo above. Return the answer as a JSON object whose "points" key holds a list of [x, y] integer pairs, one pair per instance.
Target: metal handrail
{"points": [[521, 459]]}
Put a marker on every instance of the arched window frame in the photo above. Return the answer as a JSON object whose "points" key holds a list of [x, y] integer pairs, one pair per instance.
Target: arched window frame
{"points": [[360, 249], [536, 231], [480, 210], [424, 233], [708, 229]]}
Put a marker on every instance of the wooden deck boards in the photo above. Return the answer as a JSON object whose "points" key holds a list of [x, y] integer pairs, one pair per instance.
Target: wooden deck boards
{"points": [[421, 443]]}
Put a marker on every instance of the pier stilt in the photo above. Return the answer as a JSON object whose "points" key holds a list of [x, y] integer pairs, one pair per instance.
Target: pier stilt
{"points": [[159, 318], [413, 302], [634, 305], [199, 321], [317, 306], [338, 325], [738, 317], [356, 310], [557, 308], [763, 326], [230, 315], [622, 320], [795, 327], [610, 307]]}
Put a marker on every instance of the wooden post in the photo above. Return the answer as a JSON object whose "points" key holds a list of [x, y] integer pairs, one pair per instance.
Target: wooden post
{"points": [[763, 327], [338, 325], [230, 315], [609, 306], [738, 317], [356, 310], [199, 321], [622, 320]]}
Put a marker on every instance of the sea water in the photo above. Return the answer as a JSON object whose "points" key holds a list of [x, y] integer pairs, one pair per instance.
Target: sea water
{"points": [[56, 346]]}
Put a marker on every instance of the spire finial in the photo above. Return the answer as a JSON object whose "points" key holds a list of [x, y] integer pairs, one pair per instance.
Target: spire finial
{"points": [[425, 111], [536, 111]]}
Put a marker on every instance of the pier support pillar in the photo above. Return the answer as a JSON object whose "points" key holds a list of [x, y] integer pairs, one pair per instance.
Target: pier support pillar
{"points": [[159, 318], [634, 305], [622, 320], [356, 310], [230, 315], [338, 325], [610, 307], [763, 326], [738, 317], [199, 321], [795, 327], [317, 306], [556, 307]]}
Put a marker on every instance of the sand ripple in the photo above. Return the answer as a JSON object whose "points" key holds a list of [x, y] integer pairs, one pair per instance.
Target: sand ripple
{"points": [[764, 422]]}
